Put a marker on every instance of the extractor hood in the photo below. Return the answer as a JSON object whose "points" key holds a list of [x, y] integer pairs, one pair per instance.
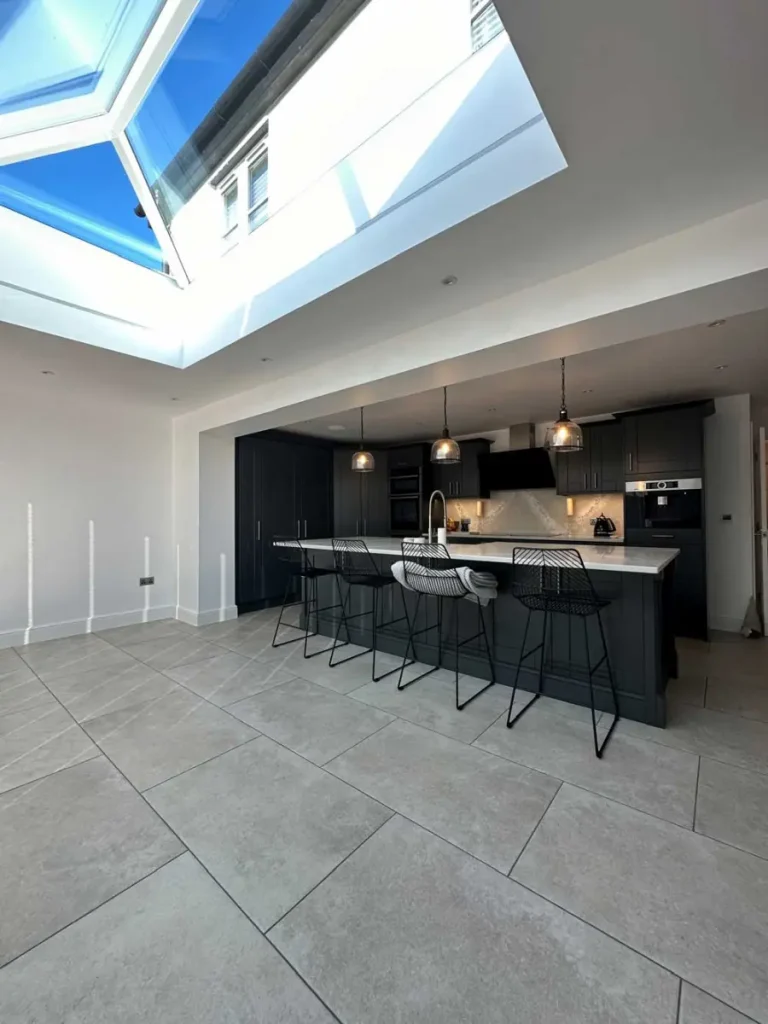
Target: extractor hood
{"points": [[522, 469]]}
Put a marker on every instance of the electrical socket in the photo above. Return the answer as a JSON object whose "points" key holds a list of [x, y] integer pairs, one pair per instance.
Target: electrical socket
{"points": [[146, 581]]}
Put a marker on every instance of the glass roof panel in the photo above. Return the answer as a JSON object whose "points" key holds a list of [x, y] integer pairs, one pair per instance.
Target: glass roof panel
{"points": [[220, 55], [86, 193], [66, 56]]}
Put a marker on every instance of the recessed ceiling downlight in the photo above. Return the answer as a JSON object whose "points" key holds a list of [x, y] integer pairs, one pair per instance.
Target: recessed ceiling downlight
{"points": [[336, 428], [716, 323]]}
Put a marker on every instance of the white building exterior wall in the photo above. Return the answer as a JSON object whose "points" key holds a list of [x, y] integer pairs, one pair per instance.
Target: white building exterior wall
{"points": [[388, 57]]}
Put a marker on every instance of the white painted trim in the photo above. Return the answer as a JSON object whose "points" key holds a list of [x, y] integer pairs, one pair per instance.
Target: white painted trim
{"points": [[726, 625], [136, 177], [222, 586], [206, 618], [55, 139], [30, 572], [79, 627], [91, 574], [159, 43], [147, 572]]}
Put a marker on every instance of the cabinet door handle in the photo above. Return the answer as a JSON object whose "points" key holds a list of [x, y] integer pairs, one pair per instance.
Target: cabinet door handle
{"points": [[305, 528], [630, 462], [663, 536], [258, 530], [595, 481], [357, 527], [585, 481], [298, 528], [365, 527]]}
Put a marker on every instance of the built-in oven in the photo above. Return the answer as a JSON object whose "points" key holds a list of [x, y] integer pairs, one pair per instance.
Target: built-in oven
{"points": [[404, 483], [405, 516], [663, 505]]}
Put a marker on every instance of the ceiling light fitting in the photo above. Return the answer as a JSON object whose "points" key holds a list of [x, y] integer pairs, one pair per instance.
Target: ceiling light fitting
{"points": [[449, 281], [336, 428], [716, 323], [445, 450], [564, 435], [48, 373], [363, 461], [723, 366]]}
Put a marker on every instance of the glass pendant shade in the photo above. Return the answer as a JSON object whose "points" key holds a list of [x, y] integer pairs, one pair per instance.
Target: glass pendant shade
{"points": [[445, 450], [564, 435], [363, 461]]}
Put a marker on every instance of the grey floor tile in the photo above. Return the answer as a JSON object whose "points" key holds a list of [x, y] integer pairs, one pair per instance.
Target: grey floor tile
{"points": [[739, 695], [13, 669], [410, 929], [345, 677], [432, 703], [266, 824], [171, 950], [123, 636], [732, 805], [99, 691], [54, 658], [39, 741], [19, 690], [749, 658], [74, 839], [228, 677], [695, 906], [169, 651], [729, 738], [696, 1007], [563, 708], [487, 806], [153, 741], [688, 690], [256, 642], [309, 719], [645, 775]]}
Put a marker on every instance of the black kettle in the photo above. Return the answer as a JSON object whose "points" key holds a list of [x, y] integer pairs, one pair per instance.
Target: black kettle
{"points": [[604, 526]]}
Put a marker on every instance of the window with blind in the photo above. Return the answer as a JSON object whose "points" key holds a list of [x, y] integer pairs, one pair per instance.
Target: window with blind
{"points": [[230, 209], [486, 23], [258, 198]]}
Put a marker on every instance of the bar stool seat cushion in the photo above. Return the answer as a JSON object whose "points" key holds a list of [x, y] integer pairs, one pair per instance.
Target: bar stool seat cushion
{"points": [[460, 581]]}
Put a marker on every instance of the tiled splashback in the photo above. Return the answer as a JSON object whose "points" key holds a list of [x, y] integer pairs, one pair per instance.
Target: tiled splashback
{"points": [[540, 511]]}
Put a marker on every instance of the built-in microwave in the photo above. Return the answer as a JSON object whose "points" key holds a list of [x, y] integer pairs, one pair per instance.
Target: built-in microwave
{"points": [[405, 482], [663, 504]]}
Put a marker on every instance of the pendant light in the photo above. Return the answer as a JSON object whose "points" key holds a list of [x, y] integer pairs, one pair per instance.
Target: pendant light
{"points": [[363, 461], [445, 450], [564, 435]]}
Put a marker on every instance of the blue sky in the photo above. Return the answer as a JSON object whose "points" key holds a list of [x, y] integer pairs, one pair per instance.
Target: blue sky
{"points": [[85, 191]]}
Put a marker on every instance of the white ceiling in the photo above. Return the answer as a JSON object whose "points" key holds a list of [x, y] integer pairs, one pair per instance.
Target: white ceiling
{"points": [[672, 367], [659, 108]]}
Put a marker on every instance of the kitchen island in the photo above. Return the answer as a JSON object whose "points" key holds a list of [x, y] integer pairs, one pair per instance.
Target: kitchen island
{"points": [[636, 580]]}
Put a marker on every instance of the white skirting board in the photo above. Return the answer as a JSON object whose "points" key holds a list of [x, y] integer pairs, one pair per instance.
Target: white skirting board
{"points": [[77, 627], [725, 625], [206, 618]]}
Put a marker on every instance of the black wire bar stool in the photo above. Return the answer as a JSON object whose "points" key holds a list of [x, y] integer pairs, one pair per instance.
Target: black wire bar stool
{"points": [[429, 571], [554, 581], [355, 565], [302, 571]]}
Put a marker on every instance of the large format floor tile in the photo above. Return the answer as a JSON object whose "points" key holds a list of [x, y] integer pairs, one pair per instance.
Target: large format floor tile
{"points": [[739, 659], [71, 841], [687, 690], [171, 950], [266, 824], [169, 651], [487, 806], [122, 636], [227, 677], [696, 1007], [39, 741], [310, 719], [156, 740], [19, 686], [102, 690], [432, 703], [729, 738], [732, 806], [739, 695], [72, 654], [344, 677], [645, 775], [690, 903], [410, 929]]}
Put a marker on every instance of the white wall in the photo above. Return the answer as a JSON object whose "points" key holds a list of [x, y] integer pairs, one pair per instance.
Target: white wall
{"points": [[74, 464], [729, 491]]}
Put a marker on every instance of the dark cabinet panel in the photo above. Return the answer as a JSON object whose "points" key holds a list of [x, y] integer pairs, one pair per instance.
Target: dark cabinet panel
{"points": [[665, 443], [280, 513], [598, 467], [462, 479], [248, 522], [689, 587], [347, 495], [313, 469], [376, 498]]}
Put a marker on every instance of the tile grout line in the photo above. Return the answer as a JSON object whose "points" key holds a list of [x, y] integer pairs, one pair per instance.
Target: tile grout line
{"points": [[186, 849], [696, 794], [358, 742], [333, 869], [93, 910], [533, 832], [214, 757]]}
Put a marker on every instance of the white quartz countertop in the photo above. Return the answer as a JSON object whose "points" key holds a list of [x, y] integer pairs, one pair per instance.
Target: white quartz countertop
{"points": [[598, 557], [547, 538]]}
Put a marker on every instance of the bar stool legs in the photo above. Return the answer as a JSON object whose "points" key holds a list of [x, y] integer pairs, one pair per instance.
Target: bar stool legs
{"points": [[591, 669], [375, 626], [523, 656]]}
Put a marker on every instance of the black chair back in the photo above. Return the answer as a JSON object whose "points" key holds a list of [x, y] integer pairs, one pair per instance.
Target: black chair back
{"points": [[353, 560], [551, 573], [294, 558]]}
